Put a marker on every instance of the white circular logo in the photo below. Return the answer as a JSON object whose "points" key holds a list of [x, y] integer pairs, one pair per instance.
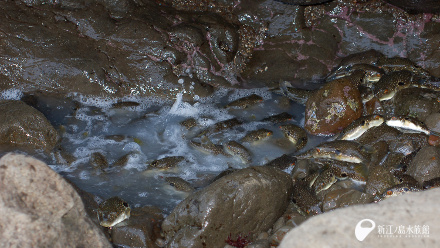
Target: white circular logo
{"points": [[362, 232]]}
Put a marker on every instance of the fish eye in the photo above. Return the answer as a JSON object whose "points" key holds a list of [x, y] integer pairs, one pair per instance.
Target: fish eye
{"points": [[344, 174], [401, 83], [125, 204], [172, 184]]}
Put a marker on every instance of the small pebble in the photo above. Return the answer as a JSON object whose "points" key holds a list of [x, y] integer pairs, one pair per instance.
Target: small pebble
{"points": [[434, 140]]}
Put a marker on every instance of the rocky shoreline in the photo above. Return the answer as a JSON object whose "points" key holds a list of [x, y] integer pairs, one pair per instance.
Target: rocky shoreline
{"points": [[343, 60]]}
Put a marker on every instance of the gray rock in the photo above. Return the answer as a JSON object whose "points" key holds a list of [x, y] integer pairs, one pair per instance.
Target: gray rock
{"points": [[43, 210], [426, 164], [244, 202], [337, 228], [344, 197], [25, 127], [433, 122]]}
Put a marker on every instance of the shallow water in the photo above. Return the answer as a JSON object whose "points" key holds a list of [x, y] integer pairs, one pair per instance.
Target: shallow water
{"points": [[152, 130]]}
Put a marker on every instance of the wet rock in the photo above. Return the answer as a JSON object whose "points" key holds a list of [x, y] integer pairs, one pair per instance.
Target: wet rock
{"points": [[343, 198], [293, 217], [379, 180], [434, 140], [141, 230], [304, 2], [274, 62], [336, 228], [23, 127], [133, 48], [416, 102], [425, 165], [279, 234], [433, 122], [246, 201], [366, 57], [333, 107], [90, 203], [259, 243], [379, 25], [304, 167], [417, 6], [43, 209]]}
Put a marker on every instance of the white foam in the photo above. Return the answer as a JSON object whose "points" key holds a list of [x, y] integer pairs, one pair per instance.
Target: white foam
{"points": [[11, 94], [143, 194], [263, 92], [183, 108], [132, 147], [61, 168], [136, 161]]}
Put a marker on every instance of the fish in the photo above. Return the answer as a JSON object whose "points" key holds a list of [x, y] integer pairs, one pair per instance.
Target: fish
{"points": [[298, 95], [167, 162], [113, 211], [257, 135], [179, 184], [325, 179], [208, 147], [236, 149], [342, 150], [295, 134], [360, 126], [407, 123], [245, 102]]}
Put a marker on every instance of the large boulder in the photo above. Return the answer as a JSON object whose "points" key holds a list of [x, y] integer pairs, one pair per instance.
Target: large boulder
{"points": [[333, 107], [243, 203], [403, 221], [24, 127], [38, 208]]}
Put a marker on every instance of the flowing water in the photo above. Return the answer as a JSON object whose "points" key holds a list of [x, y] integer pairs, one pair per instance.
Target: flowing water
{"points": [[152, 130]]}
